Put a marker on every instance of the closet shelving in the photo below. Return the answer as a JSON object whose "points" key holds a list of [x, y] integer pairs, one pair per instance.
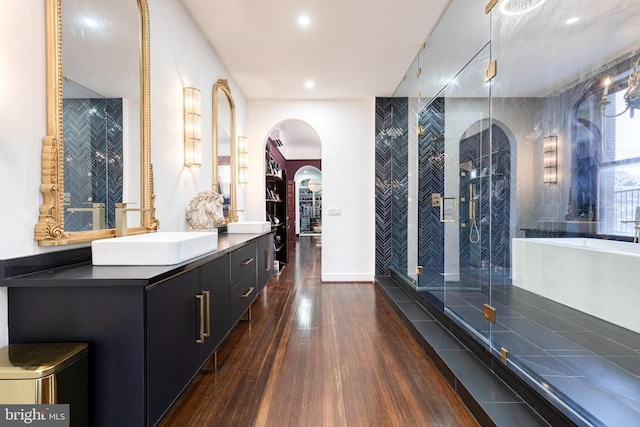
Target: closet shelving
{"points": [[276, 200], [310, 210]]}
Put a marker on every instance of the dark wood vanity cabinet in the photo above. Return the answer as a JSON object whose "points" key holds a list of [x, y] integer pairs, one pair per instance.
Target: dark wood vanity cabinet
{"points": [[244, 280], [187, 318], [149, 329], [219, 308], [172, 355]]}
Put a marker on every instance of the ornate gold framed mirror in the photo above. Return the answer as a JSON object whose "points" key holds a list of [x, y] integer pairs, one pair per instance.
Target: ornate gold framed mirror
{"points": [[225, 156], [103, 156]]}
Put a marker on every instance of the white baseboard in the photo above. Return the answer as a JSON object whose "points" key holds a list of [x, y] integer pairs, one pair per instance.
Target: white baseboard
{"points": [[347, 277]]}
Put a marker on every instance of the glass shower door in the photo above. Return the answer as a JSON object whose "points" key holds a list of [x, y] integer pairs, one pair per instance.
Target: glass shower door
{"points": [[469, 175]]}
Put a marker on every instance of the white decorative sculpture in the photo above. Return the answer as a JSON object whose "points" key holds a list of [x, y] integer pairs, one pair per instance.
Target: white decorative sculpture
{"points": [[204, 211]]}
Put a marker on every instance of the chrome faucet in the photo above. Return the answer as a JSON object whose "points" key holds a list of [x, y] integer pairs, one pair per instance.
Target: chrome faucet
{"points": [[97, 211], [121, 217]]}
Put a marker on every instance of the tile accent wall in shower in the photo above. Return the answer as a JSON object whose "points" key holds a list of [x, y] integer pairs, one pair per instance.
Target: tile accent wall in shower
{"points": [[431, 181], [391, 184], [519, 118], [93, 150]]}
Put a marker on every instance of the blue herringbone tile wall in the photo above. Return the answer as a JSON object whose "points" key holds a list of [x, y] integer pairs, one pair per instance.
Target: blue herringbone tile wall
{"points": [[77, 161], [93, 147], [431, 181], [493, 185], [514, 179], [400, 180], [111, 193], [391, 183]]}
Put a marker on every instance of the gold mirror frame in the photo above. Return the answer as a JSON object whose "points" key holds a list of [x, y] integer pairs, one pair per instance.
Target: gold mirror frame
{"points": [[223, 85], [49, 231]]}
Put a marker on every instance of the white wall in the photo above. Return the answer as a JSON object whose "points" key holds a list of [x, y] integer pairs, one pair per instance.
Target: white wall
{"points": [[22, 127], [346, 129], [179, 57]]}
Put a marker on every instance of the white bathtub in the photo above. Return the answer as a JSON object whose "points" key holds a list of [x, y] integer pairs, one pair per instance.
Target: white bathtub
{"points": [[598, 277]]}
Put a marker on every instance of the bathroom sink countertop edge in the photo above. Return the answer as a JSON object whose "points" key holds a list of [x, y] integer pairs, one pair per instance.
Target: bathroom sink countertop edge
{"points": [[86, 274]]}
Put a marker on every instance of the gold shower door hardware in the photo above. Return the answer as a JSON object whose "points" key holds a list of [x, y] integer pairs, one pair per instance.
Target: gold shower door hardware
{"points": [[419, 270], [489, 6], [504, 354], [489, 314], [491, 71], [435, 199], [448, 209]]}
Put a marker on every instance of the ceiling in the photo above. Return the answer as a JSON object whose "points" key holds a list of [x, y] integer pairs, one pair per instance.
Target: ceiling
{"points": [[540, 49], [353, 49], [350, 49]]}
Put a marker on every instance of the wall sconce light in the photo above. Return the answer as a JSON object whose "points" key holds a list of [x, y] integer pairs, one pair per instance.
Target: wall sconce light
{"points": [[243, 159], [550, 149], [631, 96], [192, 127]]}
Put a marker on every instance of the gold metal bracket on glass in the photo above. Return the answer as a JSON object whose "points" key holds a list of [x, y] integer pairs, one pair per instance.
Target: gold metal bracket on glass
{"points": [[418, 72], [419, 270], [491, 71], [504, 354], [49, 231], [489, 314], [435, 199], [420, 130], [490, 6]]}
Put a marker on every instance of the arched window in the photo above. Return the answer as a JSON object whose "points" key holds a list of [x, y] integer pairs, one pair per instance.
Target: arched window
{"points": [[605, 171]]}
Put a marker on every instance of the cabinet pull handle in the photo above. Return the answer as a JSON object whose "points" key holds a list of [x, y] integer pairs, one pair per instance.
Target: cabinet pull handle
{"points": [[247, 262], [200, 339], [268, 257], [246, 294], [207, 310]]}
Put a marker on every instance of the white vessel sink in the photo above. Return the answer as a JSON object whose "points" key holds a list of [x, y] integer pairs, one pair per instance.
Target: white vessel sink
{"points": [[162, 248], [249, 227]]}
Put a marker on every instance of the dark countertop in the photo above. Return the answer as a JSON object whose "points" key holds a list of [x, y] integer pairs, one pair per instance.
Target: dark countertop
{"points": [[86, 274]]}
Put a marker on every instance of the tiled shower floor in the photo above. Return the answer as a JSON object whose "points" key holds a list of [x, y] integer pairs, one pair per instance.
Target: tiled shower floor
{"points": [[592, 362]]}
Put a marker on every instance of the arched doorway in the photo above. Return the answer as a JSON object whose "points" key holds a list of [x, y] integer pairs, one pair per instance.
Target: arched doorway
{"points": [[308, 201], [290, 146], [485, 187]]}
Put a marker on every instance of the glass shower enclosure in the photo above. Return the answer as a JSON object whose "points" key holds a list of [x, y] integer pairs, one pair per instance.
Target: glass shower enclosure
{"points": [[514, 128]]}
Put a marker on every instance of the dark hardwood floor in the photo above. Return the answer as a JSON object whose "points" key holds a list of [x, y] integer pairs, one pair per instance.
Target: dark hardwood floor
{"points": [[319, 354]]}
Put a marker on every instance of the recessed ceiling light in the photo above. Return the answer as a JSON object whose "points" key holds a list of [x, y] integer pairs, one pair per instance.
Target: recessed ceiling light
{"points": [[309, 84], [304, 21], [572, 20]]}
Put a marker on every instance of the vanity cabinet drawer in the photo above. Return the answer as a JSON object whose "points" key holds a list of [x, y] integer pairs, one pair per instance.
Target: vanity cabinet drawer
{"points": [[242, 295], [243, 262]]}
